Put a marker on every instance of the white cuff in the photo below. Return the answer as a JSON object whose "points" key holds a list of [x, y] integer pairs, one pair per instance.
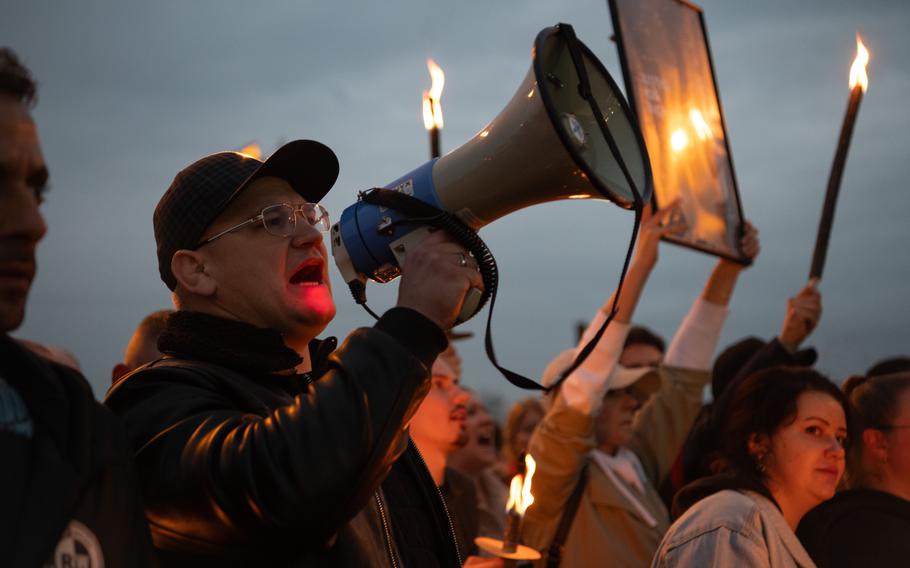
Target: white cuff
{"points": [[584, 389], [697, 337]]}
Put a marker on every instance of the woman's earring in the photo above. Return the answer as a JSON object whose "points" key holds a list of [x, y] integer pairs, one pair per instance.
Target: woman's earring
{"points": [[760, 463]]}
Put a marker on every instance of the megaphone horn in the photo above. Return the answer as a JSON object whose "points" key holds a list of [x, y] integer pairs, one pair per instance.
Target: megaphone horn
{"points": [[547, 144]]}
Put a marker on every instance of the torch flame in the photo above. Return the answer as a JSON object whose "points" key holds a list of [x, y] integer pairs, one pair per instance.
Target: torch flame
{"points": [[432, 109], [858, 69], [251, 150], [520, 497], [427, 111]]}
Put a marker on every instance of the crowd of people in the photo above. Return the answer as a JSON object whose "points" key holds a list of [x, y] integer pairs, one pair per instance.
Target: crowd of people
{"points": [[232, 435]]}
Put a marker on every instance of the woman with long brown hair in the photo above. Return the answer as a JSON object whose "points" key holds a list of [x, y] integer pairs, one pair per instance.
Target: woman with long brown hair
{"points": [[783, 453]]}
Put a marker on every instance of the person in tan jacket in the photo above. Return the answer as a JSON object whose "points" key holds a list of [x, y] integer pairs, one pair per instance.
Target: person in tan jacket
{"points": [[623, 426]]}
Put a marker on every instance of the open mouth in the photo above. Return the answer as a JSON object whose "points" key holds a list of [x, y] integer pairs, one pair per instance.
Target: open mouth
{"points": [[308, 273], [460, 414]]}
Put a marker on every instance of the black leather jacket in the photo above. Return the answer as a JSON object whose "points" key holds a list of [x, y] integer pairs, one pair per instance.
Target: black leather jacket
{"points": [[243, 465]]}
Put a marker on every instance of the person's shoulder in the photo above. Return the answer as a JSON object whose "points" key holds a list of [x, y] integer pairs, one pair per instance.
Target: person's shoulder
{"points": [[94, 430], [856, 511], [878, 520], [170, 369], [726, 509], [460, 484], [169, 375]]}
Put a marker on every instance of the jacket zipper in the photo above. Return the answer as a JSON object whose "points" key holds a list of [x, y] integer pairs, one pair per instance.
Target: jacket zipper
{"points": [[444, 507], [385, 527]]}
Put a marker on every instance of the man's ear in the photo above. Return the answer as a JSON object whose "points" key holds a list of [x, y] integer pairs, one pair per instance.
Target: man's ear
{"points": [[876, 442], [188, 267]]}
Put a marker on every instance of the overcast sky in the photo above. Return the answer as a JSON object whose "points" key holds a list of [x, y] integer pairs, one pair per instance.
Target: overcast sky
{"points": [[131, 92]]}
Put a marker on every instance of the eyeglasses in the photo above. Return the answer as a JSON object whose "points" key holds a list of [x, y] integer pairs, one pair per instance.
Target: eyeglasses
{"points": [[281, 220]]}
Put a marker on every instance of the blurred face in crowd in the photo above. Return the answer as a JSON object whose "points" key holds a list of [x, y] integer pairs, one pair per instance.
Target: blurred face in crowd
{"points": [[266, 280], [613, 427], [804, 459], [526, 426], [890, 449], [439, 422], [23, 176], [640, 355], [142, 349], [479, 450]]}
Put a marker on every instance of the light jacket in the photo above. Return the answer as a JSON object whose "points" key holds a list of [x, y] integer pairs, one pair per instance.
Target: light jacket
{"points": [[608, 529], [732, 528]]}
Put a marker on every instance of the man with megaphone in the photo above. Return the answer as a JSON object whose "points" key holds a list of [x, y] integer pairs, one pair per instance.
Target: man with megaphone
{"points": [[257, 444]]}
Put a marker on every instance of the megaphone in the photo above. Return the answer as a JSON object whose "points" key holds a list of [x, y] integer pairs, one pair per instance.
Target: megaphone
{"points": [[567, 133]]}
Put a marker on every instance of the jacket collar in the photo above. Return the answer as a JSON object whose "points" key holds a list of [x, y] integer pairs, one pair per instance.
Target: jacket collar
{"points": [[774, 518], [234, 344], [606, 488]]}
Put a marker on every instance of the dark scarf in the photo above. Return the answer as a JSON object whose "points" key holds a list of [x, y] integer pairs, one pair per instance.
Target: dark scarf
{"points": [[235, 344]]}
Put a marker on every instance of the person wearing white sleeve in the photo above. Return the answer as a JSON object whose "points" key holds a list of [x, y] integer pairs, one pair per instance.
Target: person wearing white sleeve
{"points": [[617, 429]]}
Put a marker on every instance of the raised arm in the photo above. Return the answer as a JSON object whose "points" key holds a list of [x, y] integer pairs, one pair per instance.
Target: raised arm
{"points": [[565, 436], [695, 340], [584, 390], [662, 425], [653, 227]]}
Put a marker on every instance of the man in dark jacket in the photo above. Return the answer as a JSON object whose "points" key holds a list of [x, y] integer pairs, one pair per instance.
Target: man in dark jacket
{"points": [[67, 494], [257, 444]]}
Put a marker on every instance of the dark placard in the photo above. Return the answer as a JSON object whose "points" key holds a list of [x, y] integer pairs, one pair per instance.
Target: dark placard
{"points": [[669, 77]]}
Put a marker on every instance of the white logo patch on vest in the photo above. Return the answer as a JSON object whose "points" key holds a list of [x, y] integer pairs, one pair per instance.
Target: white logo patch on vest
{"points": [[78, 548]]}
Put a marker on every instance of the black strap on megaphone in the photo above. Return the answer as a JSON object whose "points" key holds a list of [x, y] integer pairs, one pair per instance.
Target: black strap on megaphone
{"points": [[419, 212], [584, 89]]}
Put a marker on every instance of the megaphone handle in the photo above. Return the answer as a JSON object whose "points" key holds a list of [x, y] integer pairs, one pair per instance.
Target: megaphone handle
{"points": [[409, 240], [470, 306], [400, 249]]}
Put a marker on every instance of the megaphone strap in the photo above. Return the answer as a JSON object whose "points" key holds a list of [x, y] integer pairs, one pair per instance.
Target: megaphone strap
{"points": [[584, 90], [589, 347], [421, 212]]}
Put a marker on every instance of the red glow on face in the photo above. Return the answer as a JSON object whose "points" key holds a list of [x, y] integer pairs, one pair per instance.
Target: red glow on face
{"points": [[318, 299], [313, 300]]}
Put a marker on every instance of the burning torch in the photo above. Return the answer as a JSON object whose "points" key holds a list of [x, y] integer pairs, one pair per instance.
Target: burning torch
{"points": [[432, 109], [859, 82], [520, 498]]}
